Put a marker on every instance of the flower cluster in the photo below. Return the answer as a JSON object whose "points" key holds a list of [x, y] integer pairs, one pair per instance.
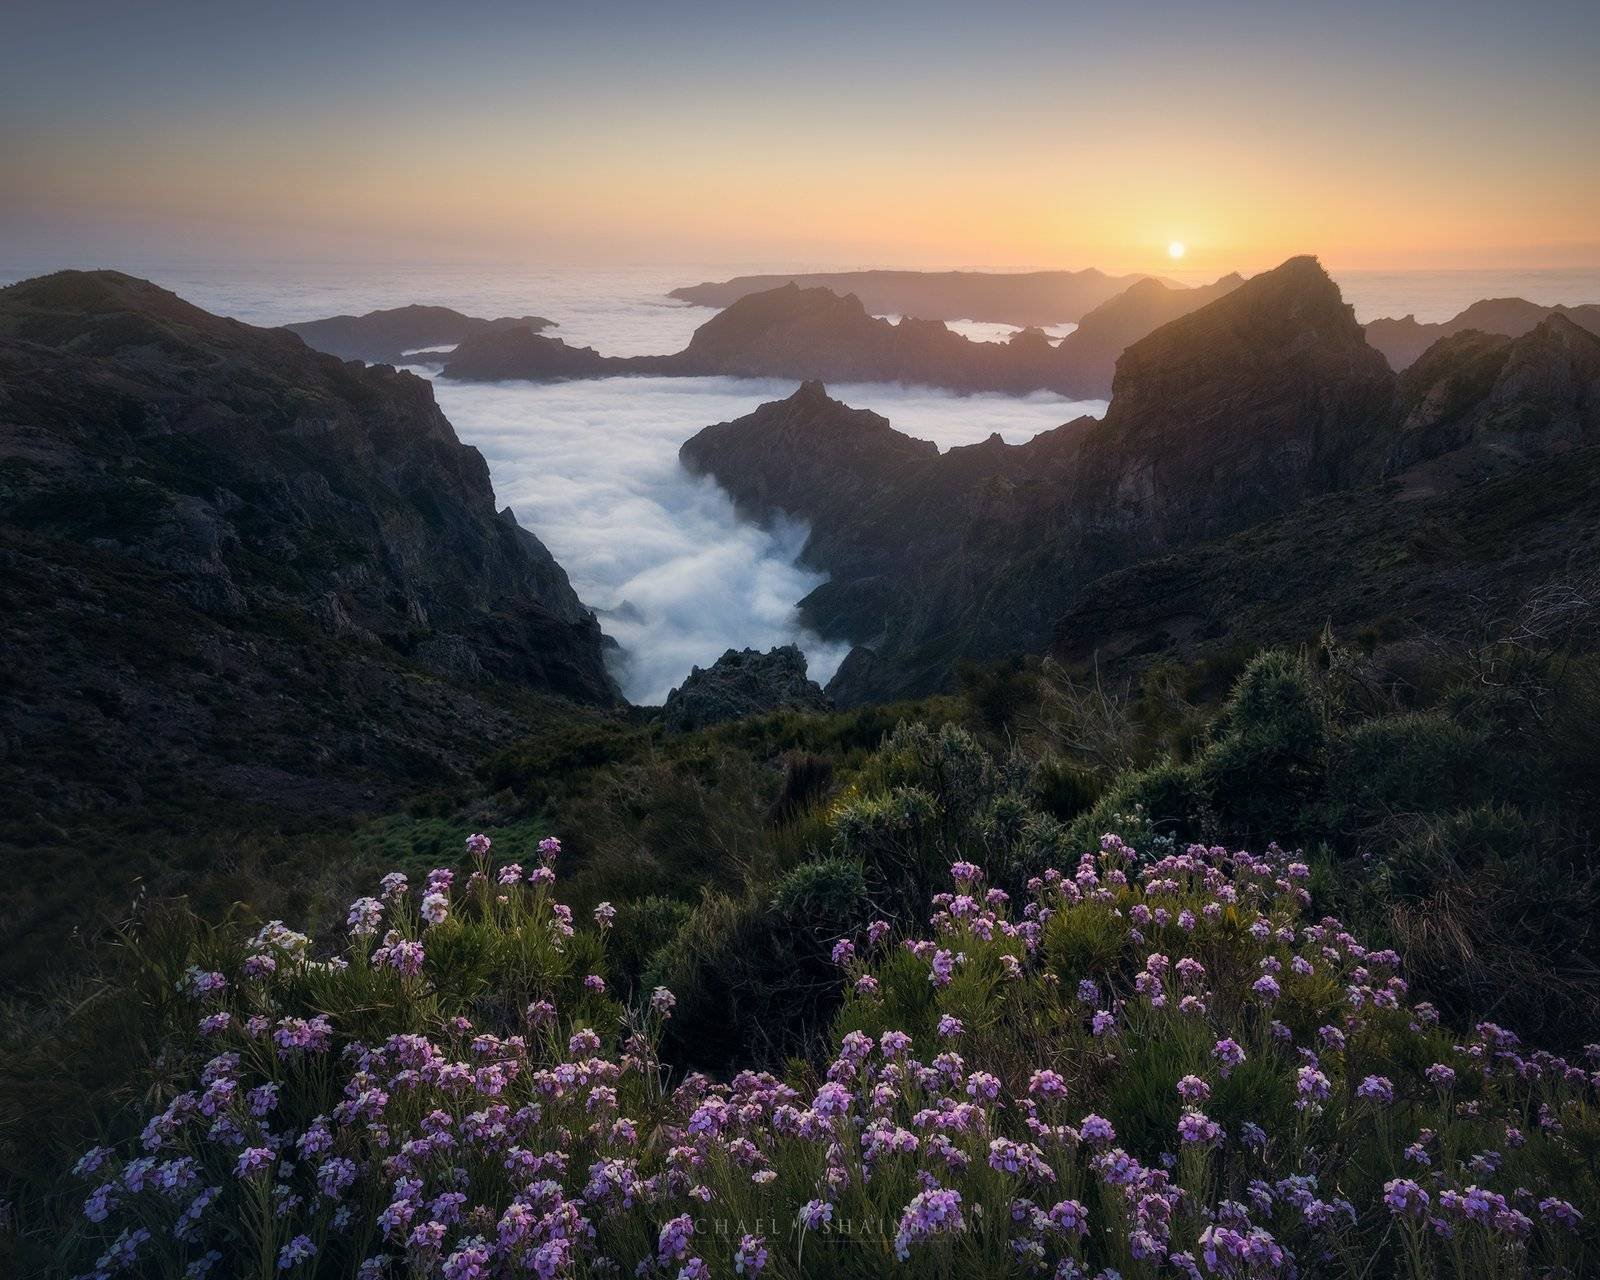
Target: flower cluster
{"points": [[1150, 1069]]}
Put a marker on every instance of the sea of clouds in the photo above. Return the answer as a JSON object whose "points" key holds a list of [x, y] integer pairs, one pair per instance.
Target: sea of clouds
{"points": [[678, 577]]}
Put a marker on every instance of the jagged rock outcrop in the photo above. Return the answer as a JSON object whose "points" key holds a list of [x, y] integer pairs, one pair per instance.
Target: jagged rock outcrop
{"points": [[1404, 340], [743, 682], [808, 454], [1022, 299], [815, 334], [224, 532], [387, 336], [1490, 401]]}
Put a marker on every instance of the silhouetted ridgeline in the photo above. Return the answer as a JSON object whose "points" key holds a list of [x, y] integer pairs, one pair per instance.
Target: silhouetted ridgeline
{"points": [[1022, 299], [1230, 416], [1403, 341]]}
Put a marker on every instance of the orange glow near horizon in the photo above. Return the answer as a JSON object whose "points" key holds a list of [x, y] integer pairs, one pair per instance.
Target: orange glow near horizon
{"points": [[852, 141]]}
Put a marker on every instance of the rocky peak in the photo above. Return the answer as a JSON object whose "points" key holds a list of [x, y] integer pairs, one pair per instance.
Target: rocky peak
{"points": [[1245, 407], [807, 455], [743, 682], [1087, 357]]}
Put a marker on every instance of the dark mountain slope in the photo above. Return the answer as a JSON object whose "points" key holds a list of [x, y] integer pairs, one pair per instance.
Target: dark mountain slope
{"points": [[214, 539], [1090, 351], [1231, 414], [1235, 414], [1366, 560], [1477, 403]]}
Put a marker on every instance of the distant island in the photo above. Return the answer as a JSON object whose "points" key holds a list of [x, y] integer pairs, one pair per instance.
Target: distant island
{"points": [[389, 336], [1019, 298]]}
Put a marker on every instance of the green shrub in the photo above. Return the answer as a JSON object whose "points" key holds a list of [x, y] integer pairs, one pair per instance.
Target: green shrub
{"points": [[897, 840], [827, 897], [806, 779], [1065, 790], [1265, 763], [1418, 763], [643, 927], [1165, 799]]}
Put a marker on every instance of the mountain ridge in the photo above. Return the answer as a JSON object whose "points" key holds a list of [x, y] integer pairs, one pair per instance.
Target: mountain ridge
{"points": [[387, 336]]}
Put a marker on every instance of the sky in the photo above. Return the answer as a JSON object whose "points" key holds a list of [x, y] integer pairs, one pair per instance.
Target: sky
{"points": [[1393, 136]]}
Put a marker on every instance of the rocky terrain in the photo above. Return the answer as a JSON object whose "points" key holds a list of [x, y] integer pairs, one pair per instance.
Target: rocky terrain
{"points": [[386, 337], [743, 682], [1022, 299], [814, 333], [233, 560], [1231, 416], [1373, 563], [1404, 340]]}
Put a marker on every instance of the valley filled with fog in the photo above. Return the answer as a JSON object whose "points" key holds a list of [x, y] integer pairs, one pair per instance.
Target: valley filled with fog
{"points": [[678, 577]]}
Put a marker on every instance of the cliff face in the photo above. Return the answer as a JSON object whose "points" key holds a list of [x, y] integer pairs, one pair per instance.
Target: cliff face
{"points": [[1491, 401], [1403, 341], [385, 337], [285, 512], [1234, 413]]}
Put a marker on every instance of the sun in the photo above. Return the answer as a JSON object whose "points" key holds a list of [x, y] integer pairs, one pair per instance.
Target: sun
{"points": [[1176, 250]]}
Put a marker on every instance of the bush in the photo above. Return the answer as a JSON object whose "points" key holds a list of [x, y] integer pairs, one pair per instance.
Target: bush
{"points": [[897, 839], [1494, 920], [644, 927], [1065, 790], [1165, 799], [806, 779], [827, 897], [754, 980], [1417, 763], [1265, 764]]}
